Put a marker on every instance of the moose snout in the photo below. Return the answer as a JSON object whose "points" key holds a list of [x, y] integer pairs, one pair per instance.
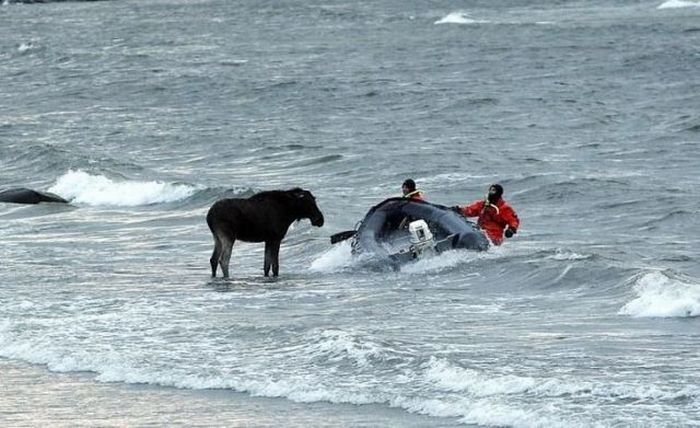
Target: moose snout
{"points": [[317, 220]]}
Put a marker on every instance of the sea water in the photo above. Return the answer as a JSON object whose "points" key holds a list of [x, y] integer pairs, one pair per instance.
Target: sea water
{"points": [[143, 114]]}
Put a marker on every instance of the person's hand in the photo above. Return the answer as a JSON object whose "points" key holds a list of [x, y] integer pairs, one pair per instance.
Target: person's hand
{"points": [[457, 208], [510, 232]]}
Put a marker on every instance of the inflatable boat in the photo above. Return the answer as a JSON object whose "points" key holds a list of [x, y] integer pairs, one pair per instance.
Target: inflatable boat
{"points": [[402, 230]]}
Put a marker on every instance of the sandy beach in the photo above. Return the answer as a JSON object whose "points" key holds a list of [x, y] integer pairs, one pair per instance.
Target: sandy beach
{"points": [[33, 397]]}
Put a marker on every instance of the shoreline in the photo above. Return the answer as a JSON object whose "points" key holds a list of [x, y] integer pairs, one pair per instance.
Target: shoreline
{"points": [[34, 396]]}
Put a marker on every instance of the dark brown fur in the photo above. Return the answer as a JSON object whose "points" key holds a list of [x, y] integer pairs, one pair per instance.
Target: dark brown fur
{"points": [[264, 217]]}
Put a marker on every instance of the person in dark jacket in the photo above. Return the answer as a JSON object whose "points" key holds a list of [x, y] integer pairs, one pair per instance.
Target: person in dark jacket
{"points": [[496, 217], [409, 190]]}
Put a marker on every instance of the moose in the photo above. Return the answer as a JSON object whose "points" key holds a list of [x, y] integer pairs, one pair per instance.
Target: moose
{"points": [[263, 217]]}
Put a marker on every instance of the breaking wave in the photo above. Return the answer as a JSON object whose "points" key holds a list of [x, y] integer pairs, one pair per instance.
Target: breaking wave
{"points": [[96, 190], [677, 4], [659, 295], [459, 18]]}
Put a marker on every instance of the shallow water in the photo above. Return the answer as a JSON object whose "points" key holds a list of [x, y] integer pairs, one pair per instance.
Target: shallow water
{"points": [[143, 115]]}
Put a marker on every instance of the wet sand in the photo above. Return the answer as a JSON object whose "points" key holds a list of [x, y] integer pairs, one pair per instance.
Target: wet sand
{"points": [[31, 396]]}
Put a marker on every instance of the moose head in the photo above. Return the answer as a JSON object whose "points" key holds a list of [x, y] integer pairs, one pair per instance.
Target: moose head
{"points": [[305, 206]]}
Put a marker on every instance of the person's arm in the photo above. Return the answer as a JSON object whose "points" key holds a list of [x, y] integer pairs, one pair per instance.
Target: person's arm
{"points": [[511, 219], [473, 209]]}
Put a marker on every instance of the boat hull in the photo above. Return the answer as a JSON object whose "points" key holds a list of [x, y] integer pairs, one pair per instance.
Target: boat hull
{"points": [[384, 234]]}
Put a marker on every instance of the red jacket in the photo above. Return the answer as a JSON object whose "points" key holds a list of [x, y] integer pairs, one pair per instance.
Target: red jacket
{"points": [[493, 219]]}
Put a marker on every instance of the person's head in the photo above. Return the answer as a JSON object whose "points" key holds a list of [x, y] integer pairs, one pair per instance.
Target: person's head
{"points": [[495, 193], [408, 186]]}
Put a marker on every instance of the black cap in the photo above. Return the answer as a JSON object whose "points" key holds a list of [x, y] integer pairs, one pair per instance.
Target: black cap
{"points": [[495, 193], [410, 184], [498, 190]]}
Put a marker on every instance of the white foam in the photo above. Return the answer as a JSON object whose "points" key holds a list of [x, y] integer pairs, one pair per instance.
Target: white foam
{"points": [[340, 258], [296, 388], [485, 412], [677, 4], [82, 188], [479, 384], [459, 17], [337, 258], [309, 393], [24, 47], [441, 262], [476, 383], [562, 255], [475, 396], [659, 295], [458, 379]]}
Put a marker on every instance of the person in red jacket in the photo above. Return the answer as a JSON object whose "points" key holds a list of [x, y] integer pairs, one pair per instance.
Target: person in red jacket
{"points": [[496, 216], [409, 190]]}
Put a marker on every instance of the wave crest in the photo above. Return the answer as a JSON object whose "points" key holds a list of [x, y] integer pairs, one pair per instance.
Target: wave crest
{"points": [[82, 188], [458, 17], [677, 4], [659, 295]]}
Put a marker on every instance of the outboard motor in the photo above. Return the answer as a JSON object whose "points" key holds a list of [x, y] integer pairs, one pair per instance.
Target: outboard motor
{"points": [[421, 238]]}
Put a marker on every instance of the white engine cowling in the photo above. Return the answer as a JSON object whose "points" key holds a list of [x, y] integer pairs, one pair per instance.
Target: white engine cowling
{"points": [[420, 233]]}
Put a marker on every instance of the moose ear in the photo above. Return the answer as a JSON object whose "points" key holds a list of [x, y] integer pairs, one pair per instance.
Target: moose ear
{"points": [[305, 194], [297, 192]]}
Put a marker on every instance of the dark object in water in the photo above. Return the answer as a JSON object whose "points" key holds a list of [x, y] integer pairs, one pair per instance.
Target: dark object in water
{"points": [[401, 230], [49, 1], [264, 217], [22, 195], [342, 236]]}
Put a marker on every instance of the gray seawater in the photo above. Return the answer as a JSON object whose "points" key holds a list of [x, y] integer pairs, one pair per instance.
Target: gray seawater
{"points": [[145, 113]]}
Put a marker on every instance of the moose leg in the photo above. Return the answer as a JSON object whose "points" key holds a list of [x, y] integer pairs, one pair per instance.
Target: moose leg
{"points": [[214, 260], [225, 257], [268, 258], [275, 256]]}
